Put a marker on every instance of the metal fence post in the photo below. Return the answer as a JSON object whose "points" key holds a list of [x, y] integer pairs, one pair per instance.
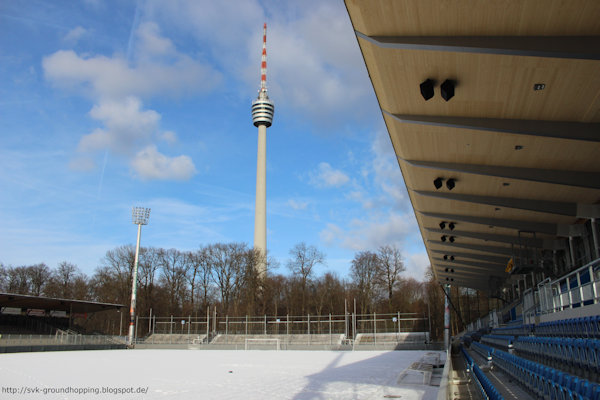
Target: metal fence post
{"points": [[309, 329], [593, 282], [171, 331], [375, 329], [215, 321]]}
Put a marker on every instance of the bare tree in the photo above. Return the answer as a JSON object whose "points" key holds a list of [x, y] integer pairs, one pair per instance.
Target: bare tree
{"points": [[18, 280], [304, 259], [275, 293], [39, 275], [390, 266], [434, 298], [62, 282], [148, 265], [3, 278], [173, 268], [363, 272], [228, 270], [205, 276], [119, 264]]}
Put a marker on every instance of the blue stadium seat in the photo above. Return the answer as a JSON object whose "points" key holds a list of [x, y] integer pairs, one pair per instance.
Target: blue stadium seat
{"points": [[543, 381]]}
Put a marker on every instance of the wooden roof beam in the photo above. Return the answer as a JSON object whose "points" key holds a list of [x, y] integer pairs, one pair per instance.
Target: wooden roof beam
{"points": [[583, 131], [565, 47]]}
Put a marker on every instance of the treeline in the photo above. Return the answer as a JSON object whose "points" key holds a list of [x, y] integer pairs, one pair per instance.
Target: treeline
{"points": [[223, 276]]}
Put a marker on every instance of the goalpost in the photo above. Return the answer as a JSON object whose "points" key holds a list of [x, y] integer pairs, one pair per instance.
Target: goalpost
{"points": [[262, 344]]}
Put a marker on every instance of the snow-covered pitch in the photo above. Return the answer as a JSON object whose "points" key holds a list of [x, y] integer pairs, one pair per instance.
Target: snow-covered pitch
{"points": [[210, 374]]}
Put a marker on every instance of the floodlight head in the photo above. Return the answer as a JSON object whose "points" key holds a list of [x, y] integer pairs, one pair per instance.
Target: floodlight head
{"points": [[438, 182], [451, 258], [451, 225], [451, 239], [140, 215], [447, 89], [442, 225], [445, 256], [444, 237], [426, 89], [450, 183]]}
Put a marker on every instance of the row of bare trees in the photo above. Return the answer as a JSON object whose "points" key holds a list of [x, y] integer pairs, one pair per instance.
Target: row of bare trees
{"points": [[66, 281], [222, 276]]}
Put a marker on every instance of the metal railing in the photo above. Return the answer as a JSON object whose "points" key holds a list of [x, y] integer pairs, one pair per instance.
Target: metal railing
{"points": [[60, 338], [576, 289], [328, 328]]}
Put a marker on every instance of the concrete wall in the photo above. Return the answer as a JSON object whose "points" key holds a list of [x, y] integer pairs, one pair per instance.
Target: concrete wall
{"points": [[38, 348], [592, 309]]}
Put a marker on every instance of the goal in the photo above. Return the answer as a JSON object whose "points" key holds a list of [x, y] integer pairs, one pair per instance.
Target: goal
{"points": [[262, 344]]}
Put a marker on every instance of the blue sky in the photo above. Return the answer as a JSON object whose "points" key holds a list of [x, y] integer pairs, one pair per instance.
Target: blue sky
{"points": [[106, 105]]}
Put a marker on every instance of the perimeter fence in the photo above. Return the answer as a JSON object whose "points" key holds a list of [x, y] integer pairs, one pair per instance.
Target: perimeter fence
{"points": [[326, 331]]}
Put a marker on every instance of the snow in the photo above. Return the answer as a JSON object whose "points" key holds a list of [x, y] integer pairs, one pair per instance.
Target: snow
{"points": [[210, 374]]}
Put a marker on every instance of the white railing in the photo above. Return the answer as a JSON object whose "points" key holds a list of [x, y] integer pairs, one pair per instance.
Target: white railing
{"points": [[576, 289], [60, 338]]}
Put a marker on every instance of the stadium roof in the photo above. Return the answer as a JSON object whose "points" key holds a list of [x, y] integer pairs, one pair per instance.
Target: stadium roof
{"points": [[524, 162], [48, 304]]}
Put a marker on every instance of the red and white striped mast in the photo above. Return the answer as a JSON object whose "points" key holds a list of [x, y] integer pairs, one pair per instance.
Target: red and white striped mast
{"points": [[263, 110]]}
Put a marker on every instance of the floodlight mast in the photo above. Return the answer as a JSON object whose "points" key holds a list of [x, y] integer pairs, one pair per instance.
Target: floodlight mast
{"points": [[139, 216]]}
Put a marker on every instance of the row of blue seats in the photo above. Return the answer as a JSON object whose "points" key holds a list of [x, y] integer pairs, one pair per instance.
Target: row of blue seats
{"points": [[515, 330], [488, 390], [582, 354], [543, 381], [583, 327], [505, 342], [483, 350]]}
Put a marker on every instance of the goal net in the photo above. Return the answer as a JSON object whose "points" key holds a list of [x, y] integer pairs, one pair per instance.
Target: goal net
{"points": [[262, 344]]}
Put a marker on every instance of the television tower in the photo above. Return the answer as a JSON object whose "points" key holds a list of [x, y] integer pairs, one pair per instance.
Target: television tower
{"points": [[262, 117]]}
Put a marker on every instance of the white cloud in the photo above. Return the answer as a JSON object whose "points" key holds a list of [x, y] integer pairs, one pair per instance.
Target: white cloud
{"points": [[83, 164], [117, 85], [313, 69], [416, 266], [157, 69], [126, 125], [386, 169], [381, 184], [331, 234], [370, 233], [150, 164], [169, 137], [326, 176], [75, 34], [151, 43], [297, 204], [112, 77]]}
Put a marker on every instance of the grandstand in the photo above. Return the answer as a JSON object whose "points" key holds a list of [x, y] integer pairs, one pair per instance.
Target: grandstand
{"points": [[36, 323], [556, 357], [493, 112]]}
